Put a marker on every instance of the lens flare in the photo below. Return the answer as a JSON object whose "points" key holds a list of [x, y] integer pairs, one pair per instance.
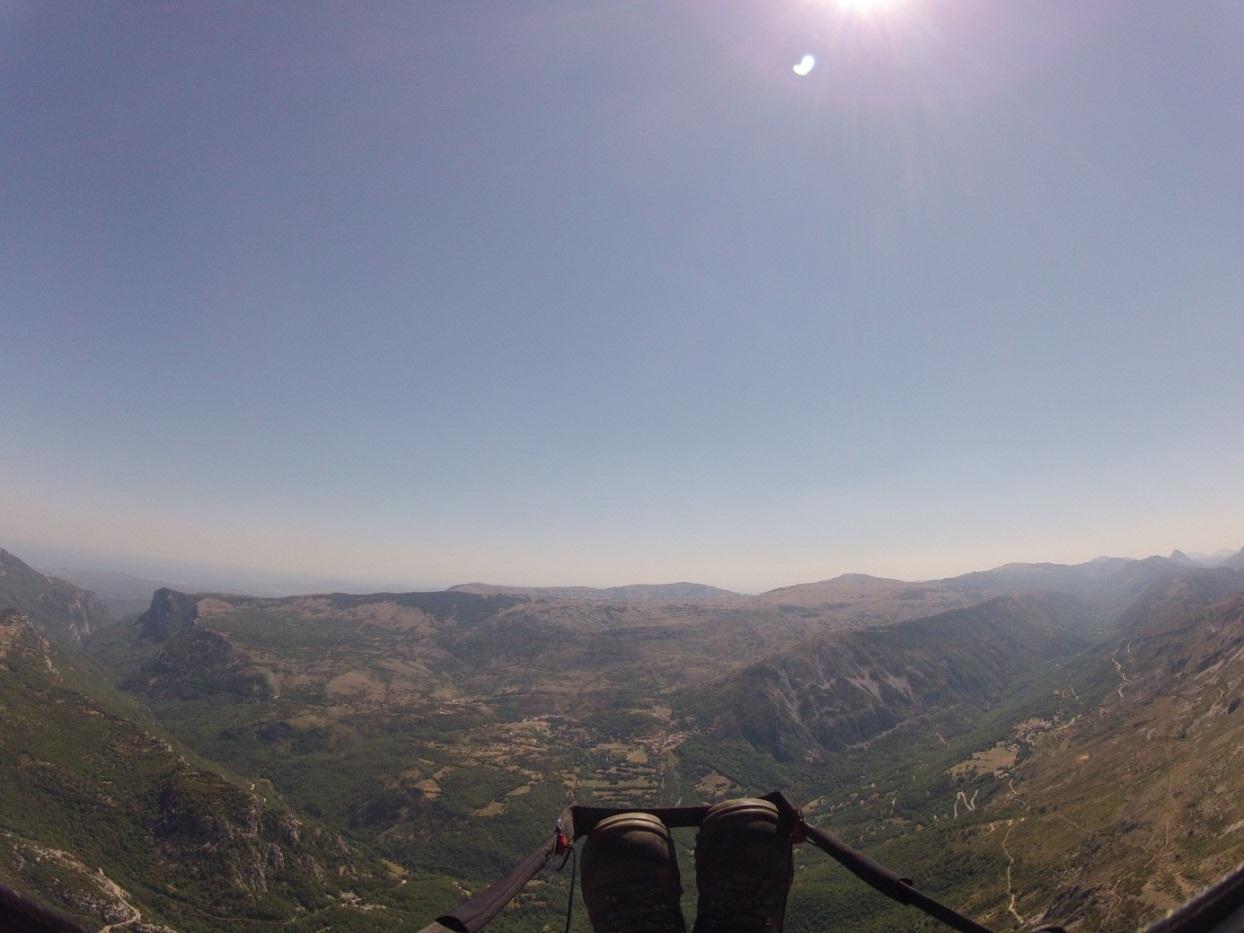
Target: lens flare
{"points": [[805, 66]]}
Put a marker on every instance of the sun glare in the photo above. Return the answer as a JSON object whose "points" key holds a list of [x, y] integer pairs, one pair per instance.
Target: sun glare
{"points": [[867, 6]]}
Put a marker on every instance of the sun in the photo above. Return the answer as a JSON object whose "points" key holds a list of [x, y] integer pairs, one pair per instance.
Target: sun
{"points": [[867, 7]]}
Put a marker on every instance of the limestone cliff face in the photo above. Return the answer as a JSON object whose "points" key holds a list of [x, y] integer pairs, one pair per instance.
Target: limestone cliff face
{"points": [[60, 610], [19, 641]]}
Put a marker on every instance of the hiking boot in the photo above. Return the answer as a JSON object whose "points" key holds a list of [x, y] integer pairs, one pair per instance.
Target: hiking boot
{"points": [[743, 867], [630, 876]]}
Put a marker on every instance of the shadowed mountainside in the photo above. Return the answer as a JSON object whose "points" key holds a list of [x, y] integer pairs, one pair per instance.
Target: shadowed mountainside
{"points": [[845, 688]]}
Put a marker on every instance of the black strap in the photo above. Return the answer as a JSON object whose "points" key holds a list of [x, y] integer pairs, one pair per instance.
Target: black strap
{"points": [[1217, 910], [471, 916], [572, 857], [888, 882]]}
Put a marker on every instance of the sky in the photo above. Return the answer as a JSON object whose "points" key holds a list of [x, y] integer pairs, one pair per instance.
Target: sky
{"points": [[597, 293]]}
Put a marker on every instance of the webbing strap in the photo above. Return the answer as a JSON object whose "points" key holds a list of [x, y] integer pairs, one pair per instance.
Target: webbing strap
{"points": [[888, 882], [471, 916]]}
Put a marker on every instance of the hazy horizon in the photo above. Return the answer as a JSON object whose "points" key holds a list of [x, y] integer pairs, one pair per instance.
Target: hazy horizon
{"points": [[595, 294], [265, 581]]}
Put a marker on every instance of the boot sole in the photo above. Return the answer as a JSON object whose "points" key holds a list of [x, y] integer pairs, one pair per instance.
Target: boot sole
{"points": [[625, 821], [744, 806]]}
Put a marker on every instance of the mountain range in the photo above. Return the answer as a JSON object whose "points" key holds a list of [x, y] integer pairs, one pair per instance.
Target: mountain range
{"points": [[1033, 742]]}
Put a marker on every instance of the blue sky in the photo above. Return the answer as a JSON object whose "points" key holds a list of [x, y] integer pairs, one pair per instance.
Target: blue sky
{"points": [[604, 292]]}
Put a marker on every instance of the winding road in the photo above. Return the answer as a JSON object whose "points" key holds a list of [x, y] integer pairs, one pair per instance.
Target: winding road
{"points": [[1119, 668], [121, 895], [1010, 861]]}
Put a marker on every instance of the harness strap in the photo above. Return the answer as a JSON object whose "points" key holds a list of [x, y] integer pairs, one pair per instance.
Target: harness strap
{"points": [[578, 821], [888, 882], [471, 916]]}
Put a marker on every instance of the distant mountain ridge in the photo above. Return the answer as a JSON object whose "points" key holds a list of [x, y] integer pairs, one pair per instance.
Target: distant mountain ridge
{"points": [[639, 592], [125, 594], [1235, 561], [1112, 582]]}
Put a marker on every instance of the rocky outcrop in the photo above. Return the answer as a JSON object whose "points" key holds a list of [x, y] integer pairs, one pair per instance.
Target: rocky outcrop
{"points": [[171, 613], [201, 661]]}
